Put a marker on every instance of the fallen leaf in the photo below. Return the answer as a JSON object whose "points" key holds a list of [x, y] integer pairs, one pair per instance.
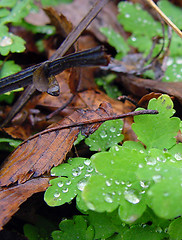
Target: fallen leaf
{"points": [[11, 198], [41, 152]]}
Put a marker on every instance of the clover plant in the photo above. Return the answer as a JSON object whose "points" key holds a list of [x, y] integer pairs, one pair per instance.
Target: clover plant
{"points": [[127, 185], [143, 27]]}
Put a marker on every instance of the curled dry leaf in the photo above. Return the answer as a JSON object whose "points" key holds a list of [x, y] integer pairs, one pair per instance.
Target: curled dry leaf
{"points": [[39, 153]]}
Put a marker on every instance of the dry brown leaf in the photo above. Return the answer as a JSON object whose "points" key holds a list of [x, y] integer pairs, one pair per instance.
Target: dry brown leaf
{"points": [[11, 198], [46, 149], [140, 87]]}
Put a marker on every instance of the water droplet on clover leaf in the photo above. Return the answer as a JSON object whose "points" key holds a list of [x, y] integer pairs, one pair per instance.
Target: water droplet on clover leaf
{"points": [[131, 197], [68, 182], [65, 190], [178, 156], [113, 129], [103, 134], [108, 183], [87, 162], [156, 178], [76, 172], [60, 184], [81, 184], [5, 41], [56, 195], [108, 198]]}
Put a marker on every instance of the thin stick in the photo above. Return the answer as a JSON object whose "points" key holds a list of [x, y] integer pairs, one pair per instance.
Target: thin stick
{"points": [[164, 17], [91, 121]]}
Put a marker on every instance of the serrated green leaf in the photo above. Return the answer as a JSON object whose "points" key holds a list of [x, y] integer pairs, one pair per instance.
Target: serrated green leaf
{"points": [[9, 67], [174, 70], [115, 40], [19, 11], [72, 178], [175, 229], [114, 183], [172, 11], [101, 222], [108, 135], [163, 172], [134, 19], [157, 131], [7, 3], [73, 229], [11, 43]]}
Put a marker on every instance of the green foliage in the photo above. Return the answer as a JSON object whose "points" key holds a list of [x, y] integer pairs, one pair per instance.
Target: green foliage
{"points": [[9, 144], [108, 135], [153, 130], [175, 229], [72, 177], [74, 229], [40, 231], [143, 28], [116, 41], [107, 84], [54, 2], [129, 185]]}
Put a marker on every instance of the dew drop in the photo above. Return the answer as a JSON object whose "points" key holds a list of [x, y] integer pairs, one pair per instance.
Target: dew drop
{"points": [[133, 39], [56, 195], [116, 182], [113, 129], [108, 183], [91, 206], [89, 169], [140, 165], [144, 184], [178, 156], [116, 148], [131, 197], [76, 172], [5, 41], [127, 15], [156, 178], [68, 182], [60, 184], [103, 134], [65, 190], [87, 162], [151, 161], [81, 185], [166, 194], [108, 198]]}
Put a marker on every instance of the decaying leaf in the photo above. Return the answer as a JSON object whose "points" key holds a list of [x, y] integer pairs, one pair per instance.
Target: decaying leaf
{"points": [[16, 195], [39, 153]]}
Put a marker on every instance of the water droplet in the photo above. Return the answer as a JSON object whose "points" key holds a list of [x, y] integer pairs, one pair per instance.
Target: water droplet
{"points": [[156, 178], [56, 195], [127, 15], [166, 194], [103, 134], [65, 190], [157, 169], [53, 174], [68, 182], [91, 206], [144, 184], [87, 162], [133, 39], [158, 229], [112, 161], [5, 41], [179, 61], [108, 183], [116, 182], [140, 165], [108, 198], [76, 172], [81, 167], [60, 184], [151, 161], [131, 197], [178, 156], [81, 184], [116, 148], [113, 129], [89, 169]]}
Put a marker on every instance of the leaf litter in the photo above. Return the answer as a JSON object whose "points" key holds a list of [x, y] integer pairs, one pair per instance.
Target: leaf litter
{"points": [[36, 155]]}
